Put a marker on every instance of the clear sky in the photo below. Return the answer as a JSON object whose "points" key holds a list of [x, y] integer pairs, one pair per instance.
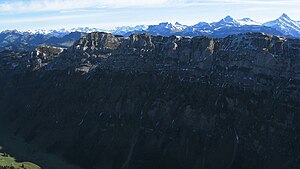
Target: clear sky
{"points": [[106, 14]]}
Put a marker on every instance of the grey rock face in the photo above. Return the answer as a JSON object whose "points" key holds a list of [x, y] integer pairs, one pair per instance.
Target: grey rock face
{"points": [[14, 61], [252, 60]]}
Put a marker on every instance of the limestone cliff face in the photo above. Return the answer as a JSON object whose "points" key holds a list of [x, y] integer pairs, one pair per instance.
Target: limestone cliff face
{"points": [[250, 51], [157, 102], [253, 60]]}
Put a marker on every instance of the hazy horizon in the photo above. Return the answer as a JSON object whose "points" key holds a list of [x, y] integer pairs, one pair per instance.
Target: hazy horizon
{"points": [[32, 15]]}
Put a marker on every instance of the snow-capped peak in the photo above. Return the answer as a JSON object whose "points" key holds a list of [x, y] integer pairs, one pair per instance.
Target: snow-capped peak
{"points": [[248, 21], [201, 25], [163, 26], [173, 27], [286, 25], [285, 16], [131, 28], [180, 26], [54, 32], [122, 30], [63, 31], [87, 30], [227, 21], [283, 19], [167, 25], [12, 31]]}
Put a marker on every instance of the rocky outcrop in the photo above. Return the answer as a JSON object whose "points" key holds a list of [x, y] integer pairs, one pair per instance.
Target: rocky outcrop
{"points": [[16, 62]]}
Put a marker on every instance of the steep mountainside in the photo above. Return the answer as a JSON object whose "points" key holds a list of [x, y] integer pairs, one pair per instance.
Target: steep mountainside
{"points": [[253, 60], [158, 102]]}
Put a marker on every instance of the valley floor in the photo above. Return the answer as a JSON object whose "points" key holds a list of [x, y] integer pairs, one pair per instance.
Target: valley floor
{"points": [[18, 150], [8, 161]]}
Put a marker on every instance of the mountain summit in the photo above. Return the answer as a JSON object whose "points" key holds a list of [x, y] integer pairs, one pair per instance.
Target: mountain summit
{"points": [[227, 21], [285, 25], [248, 21]]}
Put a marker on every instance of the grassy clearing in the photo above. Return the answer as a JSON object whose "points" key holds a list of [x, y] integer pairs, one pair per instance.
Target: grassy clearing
{"points": [[9, 161]]}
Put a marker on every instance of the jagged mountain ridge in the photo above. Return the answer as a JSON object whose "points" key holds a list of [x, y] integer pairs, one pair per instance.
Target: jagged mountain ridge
{"points": [[283, 26], [63, 32], [247, 60], [225, 27], [237, 59], [26, 41]]}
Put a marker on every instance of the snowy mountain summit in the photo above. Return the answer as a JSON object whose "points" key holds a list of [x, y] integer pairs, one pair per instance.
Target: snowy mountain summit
{"points": [[286, 25], [227, 21], [248, 21]]}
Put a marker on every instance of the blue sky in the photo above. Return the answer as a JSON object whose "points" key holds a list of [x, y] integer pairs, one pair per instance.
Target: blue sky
{"points": [[106, 14]]}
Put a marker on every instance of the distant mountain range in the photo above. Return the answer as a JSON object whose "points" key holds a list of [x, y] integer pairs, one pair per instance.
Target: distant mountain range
{"points": [[283, 26], [15, 40]]}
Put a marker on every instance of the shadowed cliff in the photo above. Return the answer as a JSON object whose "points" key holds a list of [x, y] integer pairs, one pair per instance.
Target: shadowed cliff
{"points": [[158, 102]]}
